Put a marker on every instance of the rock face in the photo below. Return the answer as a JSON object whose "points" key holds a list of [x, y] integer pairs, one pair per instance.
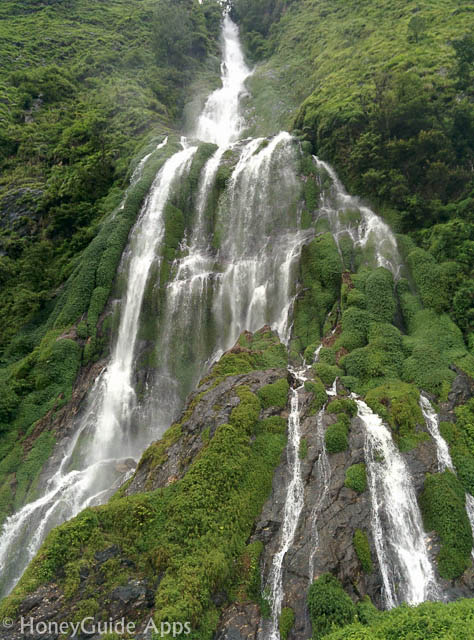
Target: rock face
{"points": [[324, 538], [325, 530]]}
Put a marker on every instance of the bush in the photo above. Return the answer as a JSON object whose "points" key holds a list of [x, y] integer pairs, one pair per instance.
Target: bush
{"points": [[245, 415], [380, 302], [275, 394], [443, 508], [329, 606], [362, 548], [326, 372], [318, 390], [336, 435], [342, 405], [356, 478], [286, 622]]}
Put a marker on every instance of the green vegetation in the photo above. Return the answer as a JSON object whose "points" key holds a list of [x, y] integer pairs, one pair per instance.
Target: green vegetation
{"points": [[286, 622], [275, 394], [329, 606], [261, 350], [320, 275], [427, 621], [336, 436], [397, 404], [443, 509], [460, 437], [303, 449], [192, 532], [356, 477], [316, 387], [362, 547]]}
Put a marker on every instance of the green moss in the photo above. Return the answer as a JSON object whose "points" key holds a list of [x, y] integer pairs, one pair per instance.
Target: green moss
{"points": [[320, 274], [194, 531], [336, 436], [356, 478], [427, 621], [286, 622], [248, 576], [362, 548], [273, 424], [329, 606], [443, 508], [379, 296], [275, 394], [460, 437]]}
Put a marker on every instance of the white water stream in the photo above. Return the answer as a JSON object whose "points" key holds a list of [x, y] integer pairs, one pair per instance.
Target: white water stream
{"points": [[294, 503], [442, 450], [406, 568]]}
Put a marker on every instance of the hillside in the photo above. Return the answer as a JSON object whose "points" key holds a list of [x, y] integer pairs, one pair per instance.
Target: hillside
{"points": [[237, 369]]}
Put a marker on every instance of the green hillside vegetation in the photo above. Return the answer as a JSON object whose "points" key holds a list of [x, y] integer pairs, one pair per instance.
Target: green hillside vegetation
{"points": [[85, 85], [386, 94]]}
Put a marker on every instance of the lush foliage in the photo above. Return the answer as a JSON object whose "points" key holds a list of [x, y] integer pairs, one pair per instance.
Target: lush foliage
{"points": [[443, 509], [362, 547], [329, 606], [193, 532], [427, 621], [275, 394], [356, 477]]}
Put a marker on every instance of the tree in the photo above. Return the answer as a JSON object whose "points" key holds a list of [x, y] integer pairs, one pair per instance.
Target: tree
{"points": [[416, 28]]}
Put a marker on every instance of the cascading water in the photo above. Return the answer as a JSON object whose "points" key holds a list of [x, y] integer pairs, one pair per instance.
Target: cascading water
{"points": [[348, 217], [214, 295], [293, 505], [406, 569], [323, 472], [235, 274], [442, 451], [91, 466]]}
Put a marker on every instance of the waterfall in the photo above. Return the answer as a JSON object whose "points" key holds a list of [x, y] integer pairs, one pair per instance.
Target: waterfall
{"points": [[432, 423], [293, 504], [368, 231], [214, 293], [397, 529], [442, 451], [102, 442]]}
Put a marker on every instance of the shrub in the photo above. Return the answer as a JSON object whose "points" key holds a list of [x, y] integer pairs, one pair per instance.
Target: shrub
{"points": [[275, 394], [379, 295], [362, 548], [336, 435], [342, 405], [303, 450], [326, 372], [443, 508], [356, 478], [316, 387], [329, 606], [286, 622]]}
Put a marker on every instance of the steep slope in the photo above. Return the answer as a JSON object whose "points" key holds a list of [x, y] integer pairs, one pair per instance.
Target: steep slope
{"points": [[222, 526]]}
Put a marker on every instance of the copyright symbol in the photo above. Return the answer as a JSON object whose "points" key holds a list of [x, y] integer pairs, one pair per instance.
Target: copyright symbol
{"points": [[7, 623]]}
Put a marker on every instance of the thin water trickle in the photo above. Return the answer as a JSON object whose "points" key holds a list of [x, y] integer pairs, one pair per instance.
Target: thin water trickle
{"points": [[294, 502]]}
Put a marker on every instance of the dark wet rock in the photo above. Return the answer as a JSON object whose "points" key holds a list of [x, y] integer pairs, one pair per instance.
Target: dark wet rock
{"points": [[239, 622]]}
